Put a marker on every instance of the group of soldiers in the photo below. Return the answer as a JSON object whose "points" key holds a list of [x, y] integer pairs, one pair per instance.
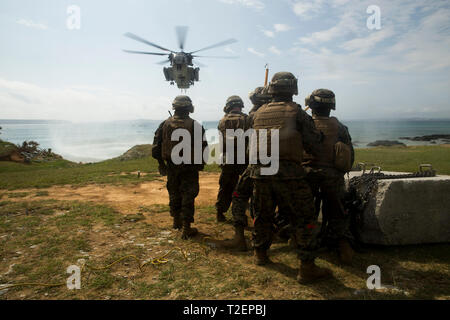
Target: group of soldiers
{"points": [[314, 155]]}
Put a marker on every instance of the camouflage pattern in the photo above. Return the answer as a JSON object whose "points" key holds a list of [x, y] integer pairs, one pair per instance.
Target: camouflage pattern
{"points": [[230, 172], [227, 182], [241, 196], [288, 190], [311, 139], [283, 83], [328, 184], [182, 180], [295, 197], [183, 187]]}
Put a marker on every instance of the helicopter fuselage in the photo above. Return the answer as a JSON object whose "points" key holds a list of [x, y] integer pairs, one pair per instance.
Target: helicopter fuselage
{"points": [[181, 71]]}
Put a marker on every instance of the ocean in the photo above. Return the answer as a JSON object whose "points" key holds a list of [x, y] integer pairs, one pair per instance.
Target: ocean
{"points": [[97, 141]]}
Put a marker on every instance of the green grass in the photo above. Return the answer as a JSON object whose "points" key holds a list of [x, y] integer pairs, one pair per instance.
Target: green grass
{"points": [[60, 172], [406, 159], [40, 245]]}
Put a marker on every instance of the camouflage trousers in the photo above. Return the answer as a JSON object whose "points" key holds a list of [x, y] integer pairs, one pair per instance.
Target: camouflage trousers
{"points": [[327, 184], [294, 195], [227, 182], [241, 195], [183, 188]]}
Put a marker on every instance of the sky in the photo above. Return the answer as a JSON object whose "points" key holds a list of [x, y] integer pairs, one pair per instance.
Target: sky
{"points": [[49, 71]]}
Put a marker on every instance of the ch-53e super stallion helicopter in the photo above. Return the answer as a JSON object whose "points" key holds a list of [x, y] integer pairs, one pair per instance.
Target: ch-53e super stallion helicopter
{"points": [[181, 70]]}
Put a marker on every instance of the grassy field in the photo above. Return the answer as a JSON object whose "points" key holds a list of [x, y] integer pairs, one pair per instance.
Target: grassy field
{"points": [[40, 237], [60, 172]]}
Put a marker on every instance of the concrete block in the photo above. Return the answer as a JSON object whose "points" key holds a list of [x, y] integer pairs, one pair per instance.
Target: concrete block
{"points": [[408, 211]]}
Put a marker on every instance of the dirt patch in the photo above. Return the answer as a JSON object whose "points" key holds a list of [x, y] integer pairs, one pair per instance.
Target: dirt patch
{"points": [[127, 199]]}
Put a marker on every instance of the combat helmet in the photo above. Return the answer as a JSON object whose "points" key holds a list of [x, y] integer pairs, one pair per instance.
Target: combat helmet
{"points": [[233, 102], [182, 102], [321, 99], [283, 82], [259, 96]]}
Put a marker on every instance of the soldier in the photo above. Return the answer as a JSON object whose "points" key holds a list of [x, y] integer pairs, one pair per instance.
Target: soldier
{"points": [[244, 187], [288, 186], [326, 175], [182, 179], [233, 119]]}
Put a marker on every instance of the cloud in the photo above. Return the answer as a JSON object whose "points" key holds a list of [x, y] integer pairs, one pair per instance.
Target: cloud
{"points": [[305, 8], [269, 33], [78, 103], [31, 24], [259, 54], [280, 27], [274, 50], [254, 4]]}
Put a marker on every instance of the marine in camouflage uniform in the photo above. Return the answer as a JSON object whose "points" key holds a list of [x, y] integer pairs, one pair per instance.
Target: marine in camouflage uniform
{"points": [[288, 186], [244, 187], [233, 119], [182, 179], [327, 181]]}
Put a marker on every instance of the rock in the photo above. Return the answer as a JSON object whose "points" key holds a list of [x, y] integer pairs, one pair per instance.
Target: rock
{"points": [[407, 211], [10, 152], [386, 143], [427, 137]]}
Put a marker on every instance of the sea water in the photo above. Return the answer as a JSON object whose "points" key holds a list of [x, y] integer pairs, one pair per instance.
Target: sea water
{"points": [[97, 141]]}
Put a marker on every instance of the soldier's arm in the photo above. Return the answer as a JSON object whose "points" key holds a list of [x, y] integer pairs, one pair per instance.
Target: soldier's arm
{"points": [[312, 137], [157, 144], [344, 136]]}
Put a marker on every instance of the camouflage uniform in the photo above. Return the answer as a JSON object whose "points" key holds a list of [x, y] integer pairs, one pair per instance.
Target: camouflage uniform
{"points": [[288, 188], [182, 179], [326, 181], [233, 119], [244, 187]]}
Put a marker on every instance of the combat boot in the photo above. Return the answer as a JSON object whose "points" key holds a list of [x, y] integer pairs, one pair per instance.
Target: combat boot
{"points": [[188, 232], [238, 242], [345, 252], [261, 257], [310, 272], [220, 217], [177, 222]]}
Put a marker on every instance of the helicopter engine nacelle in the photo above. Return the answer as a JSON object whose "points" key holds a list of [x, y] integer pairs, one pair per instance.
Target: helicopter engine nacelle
{"points": [[168, 73]]}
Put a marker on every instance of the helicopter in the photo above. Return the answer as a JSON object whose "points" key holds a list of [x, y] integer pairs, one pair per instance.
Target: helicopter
{"points": [[182, 70]]}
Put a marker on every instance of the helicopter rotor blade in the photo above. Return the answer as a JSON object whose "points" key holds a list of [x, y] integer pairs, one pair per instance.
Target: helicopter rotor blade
{"points": [[163, 62], [144, 52], [217, 57], [135, 37], [181, 35], [219, 44]]}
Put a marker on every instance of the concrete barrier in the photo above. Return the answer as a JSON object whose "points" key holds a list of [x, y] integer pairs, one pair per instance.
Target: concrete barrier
{"points": [[407, 211]]}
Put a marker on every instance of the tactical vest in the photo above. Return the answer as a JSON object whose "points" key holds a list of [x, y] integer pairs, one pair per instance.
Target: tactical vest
{"points": [[170, 125], [326, 153], [234, 121], [281, 116]]}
